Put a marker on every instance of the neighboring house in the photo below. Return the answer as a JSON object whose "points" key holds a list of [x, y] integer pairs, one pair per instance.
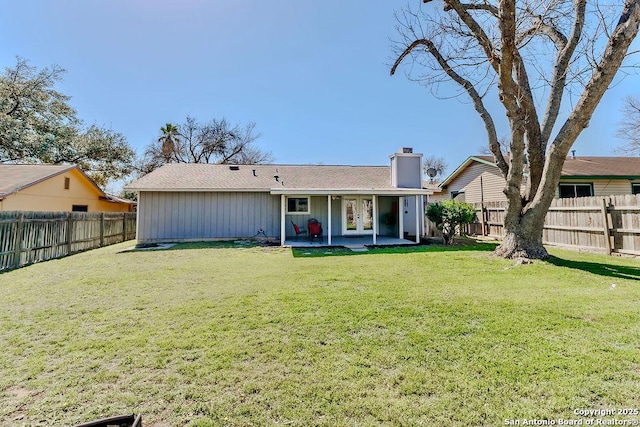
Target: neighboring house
{"points": [[181, 202], [54, 188], [478, 179]]}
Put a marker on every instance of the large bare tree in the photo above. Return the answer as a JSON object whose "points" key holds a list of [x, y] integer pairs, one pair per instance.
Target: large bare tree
{"points": [[216, 141], [629, 130], [434, 168], [539, 57]]}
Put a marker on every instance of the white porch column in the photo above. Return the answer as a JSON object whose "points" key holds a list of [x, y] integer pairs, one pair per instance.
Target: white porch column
{"points": [[282, 220], [329, 219], [422, 213], [375, 218], [401, 217], [417, 218]]}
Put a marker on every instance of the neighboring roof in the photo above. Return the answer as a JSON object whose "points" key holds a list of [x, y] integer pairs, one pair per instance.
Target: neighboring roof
{"points": [[432, 186], [574, 167], [14, 178], [193, 177], [115, 199], [602, 167]]}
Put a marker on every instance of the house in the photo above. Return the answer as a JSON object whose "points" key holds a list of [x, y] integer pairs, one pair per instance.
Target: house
{"points": [[363, 204], [54, 188], [478, 179]]}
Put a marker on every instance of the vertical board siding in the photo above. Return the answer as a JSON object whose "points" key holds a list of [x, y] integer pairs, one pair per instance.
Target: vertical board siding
{"points": [[175, 216], [28, 237], [582, 223]]}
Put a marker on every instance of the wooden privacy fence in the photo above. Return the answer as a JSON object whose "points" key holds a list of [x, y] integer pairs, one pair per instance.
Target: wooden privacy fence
{"points": [[604, 224], [28, 237]]}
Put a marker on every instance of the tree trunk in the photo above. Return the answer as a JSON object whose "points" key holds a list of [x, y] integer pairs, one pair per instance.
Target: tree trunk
{"points": [[523, 235]]}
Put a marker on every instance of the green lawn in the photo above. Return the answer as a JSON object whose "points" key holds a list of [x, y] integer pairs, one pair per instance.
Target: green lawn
{"points": [[208, 335]]}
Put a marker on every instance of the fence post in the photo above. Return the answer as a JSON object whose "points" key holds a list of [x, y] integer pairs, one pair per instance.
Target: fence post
{"points": [[101, 229], [69, 232], [605, 224], [18, 243], [124, 227]]}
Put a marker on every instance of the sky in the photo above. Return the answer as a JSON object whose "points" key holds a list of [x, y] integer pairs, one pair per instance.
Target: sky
{"points": [[313, 76]]}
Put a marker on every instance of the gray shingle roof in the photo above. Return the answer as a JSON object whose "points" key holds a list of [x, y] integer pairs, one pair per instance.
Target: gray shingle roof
{"points": [[16, 177], [583, 166], [189, 176]]}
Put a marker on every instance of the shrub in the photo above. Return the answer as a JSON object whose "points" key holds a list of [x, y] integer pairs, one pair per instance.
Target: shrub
{"points": [[451, 216]]}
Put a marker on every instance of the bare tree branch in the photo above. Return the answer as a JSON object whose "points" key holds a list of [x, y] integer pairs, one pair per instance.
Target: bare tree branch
{"points": [[629, 128], [494, 146], [558, 81]]}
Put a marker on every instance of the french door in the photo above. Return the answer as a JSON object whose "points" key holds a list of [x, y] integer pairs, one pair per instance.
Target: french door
{"points": [[357, 215]]}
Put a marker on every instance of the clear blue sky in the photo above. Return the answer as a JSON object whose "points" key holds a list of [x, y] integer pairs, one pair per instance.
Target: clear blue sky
{"points": [[313, 76]]}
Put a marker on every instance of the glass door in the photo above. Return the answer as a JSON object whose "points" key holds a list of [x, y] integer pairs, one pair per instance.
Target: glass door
{"points": [[357, 215]]}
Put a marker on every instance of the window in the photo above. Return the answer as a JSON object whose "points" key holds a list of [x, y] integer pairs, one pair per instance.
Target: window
{"points": [[635, 188], [67, 183], [576, 190], [298, 205], [458, 195], [80, 208]]}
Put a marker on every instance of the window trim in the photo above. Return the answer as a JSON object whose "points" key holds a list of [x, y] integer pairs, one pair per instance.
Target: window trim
{"points": [[307, 212], [574, 184], [636, 185]]}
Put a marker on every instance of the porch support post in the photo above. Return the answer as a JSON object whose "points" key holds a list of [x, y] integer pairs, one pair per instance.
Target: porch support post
{"points": [[417, 197], [401, 217], [282, 220], [375, 218], [329, 219], [422, 214]]}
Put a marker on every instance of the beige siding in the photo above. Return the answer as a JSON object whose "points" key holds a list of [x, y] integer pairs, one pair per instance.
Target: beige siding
{"points": [[178, 216], [469, 181], [440, 196], [613, 187]]}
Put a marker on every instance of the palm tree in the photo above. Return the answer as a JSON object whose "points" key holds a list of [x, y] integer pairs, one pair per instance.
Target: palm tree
{"points": [[169, 139]]}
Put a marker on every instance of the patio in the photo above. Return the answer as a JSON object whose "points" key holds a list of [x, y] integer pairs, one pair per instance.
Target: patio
{"points": [[355, 241]]}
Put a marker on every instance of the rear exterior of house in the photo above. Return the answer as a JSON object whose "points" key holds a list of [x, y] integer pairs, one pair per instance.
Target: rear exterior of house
{"points": [[189, 202], [54, 188]]}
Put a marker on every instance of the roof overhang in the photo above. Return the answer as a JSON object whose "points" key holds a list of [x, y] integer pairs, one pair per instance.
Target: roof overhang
{"points": [[353, 191], [200, 190], [462, 167], [296, 191], [625, 177]]}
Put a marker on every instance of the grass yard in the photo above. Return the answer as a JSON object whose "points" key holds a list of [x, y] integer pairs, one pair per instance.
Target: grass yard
{"points": [[216, 335]]}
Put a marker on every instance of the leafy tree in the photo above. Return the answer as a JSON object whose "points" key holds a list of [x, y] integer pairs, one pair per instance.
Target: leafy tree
{"points": [[531, 54], [629, 130], [32, 113], [194, 142], [450, 216], [37, 125]]}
